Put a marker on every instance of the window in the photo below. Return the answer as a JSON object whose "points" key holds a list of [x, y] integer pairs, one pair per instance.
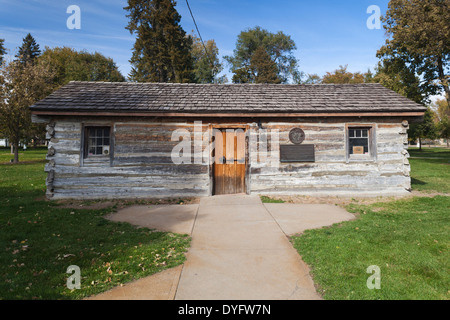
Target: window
{"points": [[97, 141], [358, 140], [359, 143]]}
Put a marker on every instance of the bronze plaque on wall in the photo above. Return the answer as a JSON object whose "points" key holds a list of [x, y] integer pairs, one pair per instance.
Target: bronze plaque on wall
{"points": [[297, 153], [297, 135]]}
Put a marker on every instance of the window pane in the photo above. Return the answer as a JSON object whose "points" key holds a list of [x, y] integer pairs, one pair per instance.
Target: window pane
{"points": [[358, 142], [351, 132], [97, 137]]}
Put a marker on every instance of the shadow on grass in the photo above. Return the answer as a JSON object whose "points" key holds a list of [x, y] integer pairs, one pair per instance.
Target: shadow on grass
{"points": [[427, 153], [417, 181], [23, 162]]}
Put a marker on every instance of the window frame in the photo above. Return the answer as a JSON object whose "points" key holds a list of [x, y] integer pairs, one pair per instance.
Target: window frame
{"points": [[372, 150], [85, 142]]}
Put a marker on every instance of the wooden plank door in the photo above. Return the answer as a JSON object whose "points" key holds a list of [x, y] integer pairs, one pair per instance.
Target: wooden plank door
{"points": [[229, 164]]}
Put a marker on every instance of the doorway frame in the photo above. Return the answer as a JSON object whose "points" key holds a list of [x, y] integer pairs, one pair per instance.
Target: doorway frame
{"points": [[246, 128]]}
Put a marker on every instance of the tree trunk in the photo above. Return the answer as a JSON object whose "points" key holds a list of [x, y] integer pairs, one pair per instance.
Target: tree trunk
{"points": [[444, 80], [420, 144], [16, 153]]}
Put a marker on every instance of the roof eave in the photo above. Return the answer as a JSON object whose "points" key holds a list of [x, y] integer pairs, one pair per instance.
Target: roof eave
{"points": [[229, 114]]}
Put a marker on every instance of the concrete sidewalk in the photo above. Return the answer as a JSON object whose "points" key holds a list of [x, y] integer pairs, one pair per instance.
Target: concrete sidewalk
{"points": [[239, 250]]}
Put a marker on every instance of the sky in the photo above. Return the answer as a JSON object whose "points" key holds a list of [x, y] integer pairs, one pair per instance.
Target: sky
{"points": [[328, 33]]}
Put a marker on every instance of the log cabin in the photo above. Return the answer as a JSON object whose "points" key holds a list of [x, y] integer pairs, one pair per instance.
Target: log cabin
{"points": [[161, 140]]}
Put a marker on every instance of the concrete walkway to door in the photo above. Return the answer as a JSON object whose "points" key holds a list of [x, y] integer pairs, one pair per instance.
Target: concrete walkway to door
{"points": [[239, 250]]}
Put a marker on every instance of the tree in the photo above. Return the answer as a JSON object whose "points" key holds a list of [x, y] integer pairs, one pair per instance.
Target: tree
{"points": [[312, 79], [243, 75], [207, 65], [394, 74], [369, 76], [17, 83], [419, 35], [2, 50], [342, 76], [425, 130], [21, 85], [263, 69], [442, 109], [29, 50], [72, 65], [443, 119], [443, 128], [278, 46], [162, 51]]}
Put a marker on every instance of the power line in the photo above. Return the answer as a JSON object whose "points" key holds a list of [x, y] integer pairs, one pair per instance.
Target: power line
{"points": [[200, 36]]}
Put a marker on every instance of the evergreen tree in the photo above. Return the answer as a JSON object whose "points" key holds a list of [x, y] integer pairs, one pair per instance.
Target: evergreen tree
{"points": [[242, 75], [207, 64], [162, 51], [29, 50], [264, 69], [2, 50]]}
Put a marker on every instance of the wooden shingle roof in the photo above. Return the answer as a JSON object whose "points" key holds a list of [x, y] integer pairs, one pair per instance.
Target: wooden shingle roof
{"points": [[165, 98]]}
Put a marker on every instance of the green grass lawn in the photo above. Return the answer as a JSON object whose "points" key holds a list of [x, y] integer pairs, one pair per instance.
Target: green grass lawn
{"points": [[39, 240], [266, 199], [407, 239], [31, 154], [430, 169]]}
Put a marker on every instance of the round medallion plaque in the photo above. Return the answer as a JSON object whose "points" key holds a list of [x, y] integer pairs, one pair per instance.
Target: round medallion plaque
{"points": [[297, 136]]}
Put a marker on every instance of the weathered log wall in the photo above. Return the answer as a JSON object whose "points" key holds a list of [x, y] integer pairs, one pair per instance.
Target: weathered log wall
{"points": [[140, 164], [332, 173]]}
